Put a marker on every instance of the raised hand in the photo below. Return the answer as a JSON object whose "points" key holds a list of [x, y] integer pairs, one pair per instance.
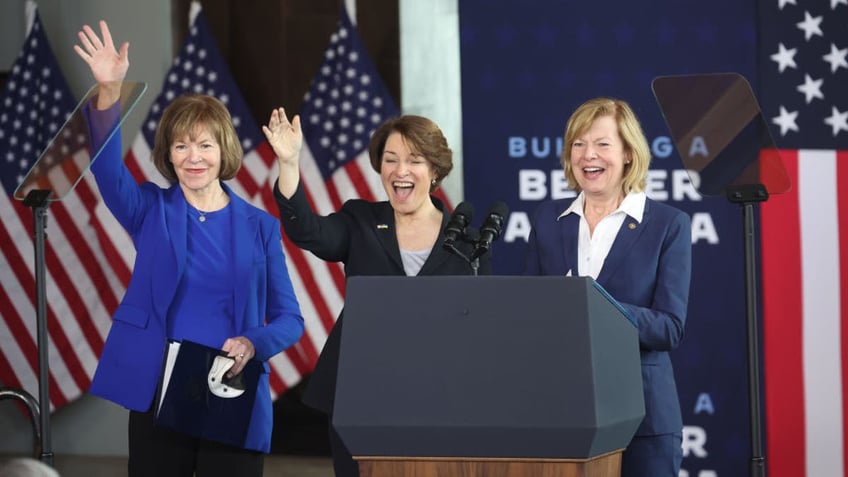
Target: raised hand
{"points": [[108, 65], [286, 138]]}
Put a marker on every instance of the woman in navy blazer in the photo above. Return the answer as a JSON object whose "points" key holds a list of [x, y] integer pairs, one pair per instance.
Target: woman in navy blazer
{"points": [[401, 236], [209, 268], [639, 250]]}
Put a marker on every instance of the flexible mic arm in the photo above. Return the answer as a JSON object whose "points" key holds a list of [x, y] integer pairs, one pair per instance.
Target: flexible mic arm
{"points": [[468, 235]]}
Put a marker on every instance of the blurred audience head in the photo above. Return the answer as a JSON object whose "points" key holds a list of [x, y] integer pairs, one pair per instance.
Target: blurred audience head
{"points": [[26, 467]]}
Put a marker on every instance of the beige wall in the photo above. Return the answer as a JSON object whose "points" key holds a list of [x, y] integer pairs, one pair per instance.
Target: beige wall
{"points": [[430, 85]]}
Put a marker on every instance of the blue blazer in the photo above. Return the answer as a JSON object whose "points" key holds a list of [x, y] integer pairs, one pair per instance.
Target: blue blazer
{"points": [[648, 271], [266, 309]]}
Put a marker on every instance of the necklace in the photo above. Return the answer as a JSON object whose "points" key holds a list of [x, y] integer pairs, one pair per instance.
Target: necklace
{"points": [[201, 214]]}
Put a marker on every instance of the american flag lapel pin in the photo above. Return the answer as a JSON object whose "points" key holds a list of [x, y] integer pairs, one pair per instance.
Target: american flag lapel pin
{"points": [[382, 226]]}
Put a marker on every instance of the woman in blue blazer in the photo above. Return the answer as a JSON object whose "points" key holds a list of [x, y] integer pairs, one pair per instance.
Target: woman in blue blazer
{"points": [[400, 236], [639, 250], [209, 268]]}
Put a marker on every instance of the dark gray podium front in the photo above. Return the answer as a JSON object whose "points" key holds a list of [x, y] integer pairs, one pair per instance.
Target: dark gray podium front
{"points": [[458, 373]]}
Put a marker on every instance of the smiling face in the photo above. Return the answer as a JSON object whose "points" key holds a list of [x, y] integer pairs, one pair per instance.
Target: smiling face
{"points": [[598, 159], [406, 176], [605, 149], [182, 122], [196, 159]]}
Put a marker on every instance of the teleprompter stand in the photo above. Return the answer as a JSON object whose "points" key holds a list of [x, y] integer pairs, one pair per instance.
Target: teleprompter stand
{"points": [[720, 133], [56, 173], [487, 375], [39, 411]]}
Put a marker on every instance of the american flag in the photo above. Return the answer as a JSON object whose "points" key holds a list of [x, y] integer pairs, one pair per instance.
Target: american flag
{"points": [[804, 234], [81, 290]]}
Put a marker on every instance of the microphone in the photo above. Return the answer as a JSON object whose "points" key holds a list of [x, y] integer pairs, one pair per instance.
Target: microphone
{"points": [[491, 228], [455, 229]]}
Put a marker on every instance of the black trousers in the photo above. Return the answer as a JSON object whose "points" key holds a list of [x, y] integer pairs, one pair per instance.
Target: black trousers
{"points": [[159, 452]]}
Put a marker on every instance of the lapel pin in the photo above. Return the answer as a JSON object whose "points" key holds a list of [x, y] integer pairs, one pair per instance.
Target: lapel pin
{"points": [[382, 226], [631, 225]]}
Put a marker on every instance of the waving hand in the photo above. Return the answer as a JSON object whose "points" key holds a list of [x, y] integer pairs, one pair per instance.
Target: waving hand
{"points": [[108, 65], [286, 138]]}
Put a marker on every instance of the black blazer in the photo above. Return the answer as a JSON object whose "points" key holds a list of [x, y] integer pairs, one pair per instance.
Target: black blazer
{"points": [[362, 236]]}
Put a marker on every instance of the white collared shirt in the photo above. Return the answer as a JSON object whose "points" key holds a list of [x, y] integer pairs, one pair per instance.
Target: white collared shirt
{"points": [[592, 250]]}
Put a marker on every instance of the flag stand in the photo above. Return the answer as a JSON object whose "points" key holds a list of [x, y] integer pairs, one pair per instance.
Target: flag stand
{"points": [[39, 410], [746, 196]]}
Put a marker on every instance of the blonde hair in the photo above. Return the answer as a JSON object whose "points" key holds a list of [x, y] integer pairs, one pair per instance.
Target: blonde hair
{"points": [[635, 145]]}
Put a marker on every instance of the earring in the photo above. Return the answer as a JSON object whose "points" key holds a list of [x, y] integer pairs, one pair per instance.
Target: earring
{"points": [[433, 182]]}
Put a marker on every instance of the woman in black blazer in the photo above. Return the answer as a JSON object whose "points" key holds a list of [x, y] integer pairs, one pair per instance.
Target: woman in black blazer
{"points": [[401, 236]]}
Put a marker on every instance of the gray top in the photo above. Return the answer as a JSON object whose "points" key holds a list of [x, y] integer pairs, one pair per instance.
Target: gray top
{"points": [[413, 260]]}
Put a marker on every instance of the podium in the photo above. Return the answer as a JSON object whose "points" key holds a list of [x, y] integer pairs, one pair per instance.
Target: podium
{"points": [[492, 375]]}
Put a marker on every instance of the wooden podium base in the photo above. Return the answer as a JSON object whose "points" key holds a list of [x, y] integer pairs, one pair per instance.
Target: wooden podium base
{"points": [[605, 465]]}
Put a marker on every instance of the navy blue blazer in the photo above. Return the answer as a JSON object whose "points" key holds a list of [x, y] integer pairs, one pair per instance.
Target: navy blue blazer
{"points": [[266, 308], [648, 271]]}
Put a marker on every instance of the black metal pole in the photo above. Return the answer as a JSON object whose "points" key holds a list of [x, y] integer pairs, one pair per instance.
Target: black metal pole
{"points": [[37, 200], [758, 461], [747, 196]]}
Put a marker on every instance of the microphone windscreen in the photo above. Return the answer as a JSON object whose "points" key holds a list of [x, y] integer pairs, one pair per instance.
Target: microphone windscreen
{"points": [[464, 208], [499, 208]]}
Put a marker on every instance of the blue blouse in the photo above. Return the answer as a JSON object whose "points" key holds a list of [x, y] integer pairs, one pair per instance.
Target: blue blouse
{"points": [[202, 310]]}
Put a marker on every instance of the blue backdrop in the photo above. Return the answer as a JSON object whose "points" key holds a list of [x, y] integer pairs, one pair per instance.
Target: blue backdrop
{"points": [[525, 67]]}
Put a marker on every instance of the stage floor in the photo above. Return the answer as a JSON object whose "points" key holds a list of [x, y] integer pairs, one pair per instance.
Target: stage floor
{"points": [[275, 465]]}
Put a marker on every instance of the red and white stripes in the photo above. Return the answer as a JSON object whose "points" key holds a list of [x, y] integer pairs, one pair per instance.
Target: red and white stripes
{"points": [[804, 236]]}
